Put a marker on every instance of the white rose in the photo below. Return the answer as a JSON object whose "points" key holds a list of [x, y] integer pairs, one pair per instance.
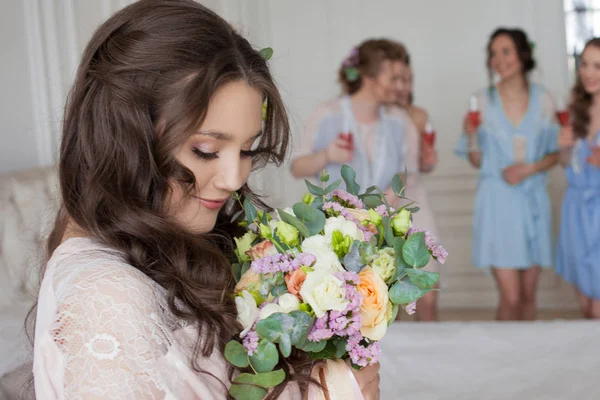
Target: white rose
{"points": [[346, 228], [288, 303], [324, 292], [320, 247], [269, 309], [247, 310]]}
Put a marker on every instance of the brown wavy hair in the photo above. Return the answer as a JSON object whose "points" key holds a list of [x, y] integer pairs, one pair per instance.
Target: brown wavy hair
{"points": [[522, 46], [370, 54], [581, 101], [144, 83]]}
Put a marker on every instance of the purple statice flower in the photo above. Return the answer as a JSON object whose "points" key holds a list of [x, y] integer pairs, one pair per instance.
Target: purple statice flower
{"points": [[349, 217], [410, 308], [347, 198], [382, 210], [250, 342], [439, 253], [334, 208], [362, 353], [320, 330], [351, 59], [281, 263]]}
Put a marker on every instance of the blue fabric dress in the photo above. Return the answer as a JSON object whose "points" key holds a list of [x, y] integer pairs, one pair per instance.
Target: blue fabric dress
{"points": [[578, 255], [512, 225]]}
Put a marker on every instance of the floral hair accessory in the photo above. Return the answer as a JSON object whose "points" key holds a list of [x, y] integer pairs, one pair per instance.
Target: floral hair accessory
{"points": [[350, 63], [266, 53]]}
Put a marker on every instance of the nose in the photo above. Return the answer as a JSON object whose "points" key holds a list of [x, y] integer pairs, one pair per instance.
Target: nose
{"points": [[231, 175]]}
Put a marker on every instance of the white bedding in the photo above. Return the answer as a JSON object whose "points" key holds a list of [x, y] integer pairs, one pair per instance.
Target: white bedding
{"points": [[491, 360]]}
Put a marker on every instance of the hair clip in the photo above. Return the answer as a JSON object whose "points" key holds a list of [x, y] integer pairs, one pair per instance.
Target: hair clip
{"points": [[350, 63]]}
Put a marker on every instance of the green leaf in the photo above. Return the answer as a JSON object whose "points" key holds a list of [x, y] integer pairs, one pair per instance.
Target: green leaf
{"points": [[296, 325], [398, 185], [371, 189], [304, 212], [237, 271], [266, 379], [324, 177], [316, 226], [349, 177], [285, 345], [333, 186], [314, 189], [266, 53], [415, 250], [251, 212], [327, 353], [300, 327], [236, 354], [312, 347], [388, 231], [423, 279], [340, 347], [245, 268], [371, 200], [295, 222], [247, 392], [413, 209], [317, 203], [395, 309], [352, 74], [403, 292], [401, 265], [265, 358]]}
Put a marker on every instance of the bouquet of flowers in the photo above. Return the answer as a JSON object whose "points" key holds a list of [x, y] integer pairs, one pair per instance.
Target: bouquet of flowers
{"points": [[326, 276]]}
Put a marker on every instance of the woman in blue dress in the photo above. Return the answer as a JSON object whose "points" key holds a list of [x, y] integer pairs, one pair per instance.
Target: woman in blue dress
{"points": [[578, 255], [512, 146]]}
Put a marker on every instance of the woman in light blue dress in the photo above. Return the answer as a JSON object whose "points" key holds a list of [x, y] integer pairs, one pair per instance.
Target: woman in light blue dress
{"points": [[578, 255], [513, 146]]}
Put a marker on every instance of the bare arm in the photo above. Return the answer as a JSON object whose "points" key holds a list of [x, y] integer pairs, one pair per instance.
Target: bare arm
{"points": [[310, 164]]}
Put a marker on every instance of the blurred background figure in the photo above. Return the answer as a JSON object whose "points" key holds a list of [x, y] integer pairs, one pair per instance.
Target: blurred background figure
{"points": [[427, 158], [578, 256], [356, 128], [512, 141]]}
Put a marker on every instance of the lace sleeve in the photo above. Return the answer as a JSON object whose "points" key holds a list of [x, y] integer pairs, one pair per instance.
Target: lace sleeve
{"points": [[107, 330]]}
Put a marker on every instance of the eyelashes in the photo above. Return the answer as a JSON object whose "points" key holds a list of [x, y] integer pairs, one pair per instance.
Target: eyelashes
{"points": [[213, 156]]}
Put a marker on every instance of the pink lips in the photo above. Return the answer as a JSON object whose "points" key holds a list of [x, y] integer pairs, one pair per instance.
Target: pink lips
{"points": [[211, 204]]}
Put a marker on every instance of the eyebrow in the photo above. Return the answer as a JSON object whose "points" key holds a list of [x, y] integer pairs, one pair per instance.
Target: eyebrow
{"points": [[225, 136]]}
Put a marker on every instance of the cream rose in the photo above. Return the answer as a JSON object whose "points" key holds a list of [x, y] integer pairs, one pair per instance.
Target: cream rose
{"points": [[247, 310], [384, 264], [269, 309], [374, 308], [288, 303], [320, 247], [346, 228], [324, 292]]}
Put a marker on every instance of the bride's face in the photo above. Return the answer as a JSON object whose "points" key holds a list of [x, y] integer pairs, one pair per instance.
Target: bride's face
{"points": [[219, 155]]}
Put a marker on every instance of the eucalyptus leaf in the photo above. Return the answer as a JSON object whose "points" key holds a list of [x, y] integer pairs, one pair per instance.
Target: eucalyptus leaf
{"points": [[315, 227], [285, 345], [333, 186], [236, 354], [265, 358], [266, 379], [371, 200], [295, 222], [388, 231], [317, 203], [304, 212], [312, 347], [401, 265], [349, 177], [398, 185], [247, 392], [415, 251], [395, 309], [328, 352], [314, 189], [251, 212], [403, 292], [423, 279], [237, 271], [340, 347], [413, 209]]}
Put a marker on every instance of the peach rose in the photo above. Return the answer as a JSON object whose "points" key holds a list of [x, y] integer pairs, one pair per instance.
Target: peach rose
{"points": [[294, 281], [361, 216], [247, 281], [262, 249], [375, 305]]}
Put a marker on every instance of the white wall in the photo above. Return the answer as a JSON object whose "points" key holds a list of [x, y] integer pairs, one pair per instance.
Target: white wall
{"points": [[17, 138]]}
